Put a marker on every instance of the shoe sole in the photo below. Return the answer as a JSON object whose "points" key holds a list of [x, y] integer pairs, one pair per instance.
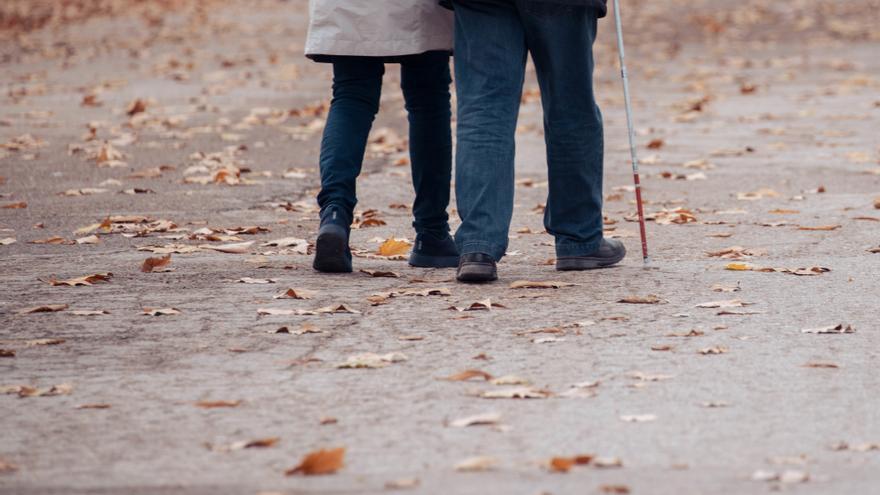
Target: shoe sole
{"points": [[425, 261], [330, 250], [587, 263], [476, 273]]}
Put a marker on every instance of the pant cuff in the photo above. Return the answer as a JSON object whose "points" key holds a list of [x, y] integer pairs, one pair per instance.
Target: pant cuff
{"points": [[568, 248], [492, 250]]}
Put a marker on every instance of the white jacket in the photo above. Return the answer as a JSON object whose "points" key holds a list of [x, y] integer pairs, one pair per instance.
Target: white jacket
{"points": [[377, 28]]}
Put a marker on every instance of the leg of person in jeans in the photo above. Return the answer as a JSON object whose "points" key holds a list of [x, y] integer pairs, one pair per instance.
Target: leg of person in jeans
{"points": [[490, 56], [357, 86], [425, 82], [560, 39]]}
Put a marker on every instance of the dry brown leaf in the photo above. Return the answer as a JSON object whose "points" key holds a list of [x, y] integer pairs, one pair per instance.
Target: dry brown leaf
{"points": [[638, 418], [832, 329], [92, 239], [649, 299], [713, 350], [294, 293], [160, 311], [819, 227], [564, 464], [607, 462], [824, 365], [151, 264], [256, 281], [380, 273], [319, 462], [7, 353], [7, 241], [215, 404], [517, 393], [236, 248], [56, 240], [691, 333], [394, 247], [89, 312], [491, 418], [14, 206], [614, 489], [93, 406], [550, 284], [402, 484], [28, 391], [371, 360], [86, 280], [731, 303], [46, 308], [661, 348], [479, 463], [37, 342], [468, 375]]}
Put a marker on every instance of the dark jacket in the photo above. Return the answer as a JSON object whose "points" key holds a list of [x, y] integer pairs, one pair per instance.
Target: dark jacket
{"points": [[600, 5]]}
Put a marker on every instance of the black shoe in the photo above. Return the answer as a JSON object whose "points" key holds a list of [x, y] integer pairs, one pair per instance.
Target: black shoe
{"points": [[332, 254], [610, 252], [476, 267], [434, 251]]}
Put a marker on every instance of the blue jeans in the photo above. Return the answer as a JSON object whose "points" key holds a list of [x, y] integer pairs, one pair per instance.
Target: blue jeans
{"points": [[492, 40], [357, 86]]}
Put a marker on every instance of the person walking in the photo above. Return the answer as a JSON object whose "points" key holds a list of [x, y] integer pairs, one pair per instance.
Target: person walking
{"points": [[492, 41], [358, 37]]}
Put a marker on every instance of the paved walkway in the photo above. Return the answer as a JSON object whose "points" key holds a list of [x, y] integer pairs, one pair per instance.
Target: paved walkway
{"points": [[191, 132]]}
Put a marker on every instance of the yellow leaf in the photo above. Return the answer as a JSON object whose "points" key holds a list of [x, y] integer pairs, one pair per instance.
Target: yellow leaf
{"points": [[394, 247]]}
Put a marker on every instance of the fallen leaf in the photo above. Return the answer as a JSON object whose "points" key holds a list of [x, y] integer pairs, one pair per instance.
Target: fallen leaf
{"points": [[7, 353], [86, 280], [661, 348], [402, 484], [92, 239], [819, 227], [89, 312], [479, 419], [293, 293], [28, 391], [479, 463], [821, 365], [236, 248], [527, 284], [47, 308], [509, 380], [394, 247], [150, 264], [14, 206], [256, 281], [160, 311], [638, 418], [380, 273], [215, 404], [607, 462], [713, 350], [756, 195], [564, 464], [832, 329], [319, 462], [732, 303], [37, 342], [7, 241], [93, 406], [517, 393], [371, 360], [725, 288], [649, 299], [614, 489], [467, 375]]}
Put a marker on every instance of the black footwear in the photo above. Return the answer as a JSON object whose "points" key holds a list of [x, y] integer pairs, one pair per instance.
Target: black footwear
{"points": [[434, 251], [610, 252], [332, 254], [476, 267]]}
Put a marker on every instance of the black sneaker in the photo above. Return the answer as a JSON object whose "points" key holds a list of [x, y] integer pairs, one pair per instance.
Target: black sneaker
{"points": [[434, 251], [476, 267], [610, 252], [332, 254]]}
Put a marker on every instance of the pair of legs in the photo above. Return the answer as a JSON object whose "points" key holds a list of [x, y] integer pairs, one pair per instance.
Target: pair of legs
{"points": [[492, 41], [357, 87]]}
